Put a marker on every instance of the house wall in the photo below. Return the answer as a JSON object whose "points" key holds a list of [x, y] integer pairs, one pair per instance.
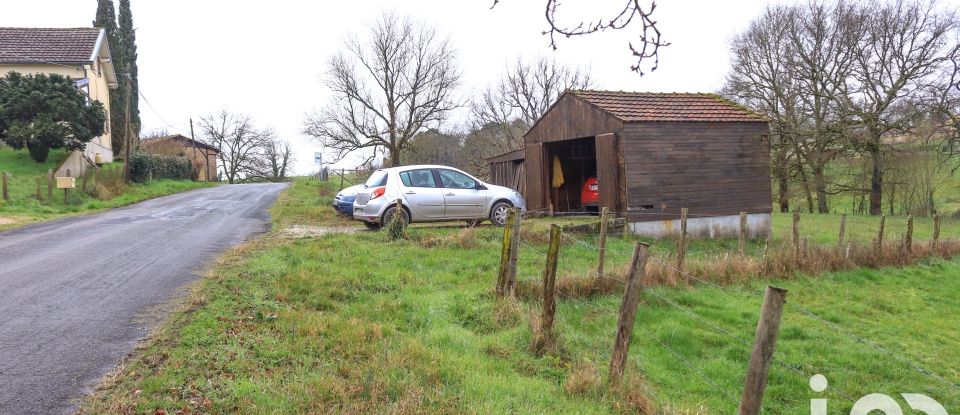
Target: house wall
{"points": [[712, 169], [99, 90]]}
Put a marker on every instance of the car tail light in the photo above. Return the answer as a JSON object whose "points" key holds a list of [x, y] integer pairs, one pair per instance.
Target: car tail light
{"points": [[377, 192]]}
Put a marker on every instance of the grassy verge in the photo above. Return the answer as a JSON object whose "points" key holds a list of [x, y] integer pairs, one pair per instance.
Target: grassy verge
{"points": [[350, 323], [24, 207]]}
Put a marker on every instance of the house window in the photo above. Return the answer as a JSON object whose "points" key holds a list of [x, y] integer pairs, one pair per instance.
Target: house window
{"points": [[83, 85]]}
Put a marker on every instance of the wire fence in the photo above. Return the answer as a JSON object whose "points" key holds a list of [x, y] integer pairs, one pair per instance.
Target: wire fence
{"points": [[530, 253]]}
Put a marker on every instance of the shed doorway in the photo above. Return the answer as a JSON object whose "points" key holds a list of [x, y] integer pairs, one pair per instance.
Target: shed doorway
{"points": [[569, 164]]}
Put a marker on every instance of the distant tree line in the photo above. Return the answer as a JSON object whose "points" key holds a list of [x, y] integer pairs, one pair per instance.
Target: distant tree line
{"points": [[863, 97]]}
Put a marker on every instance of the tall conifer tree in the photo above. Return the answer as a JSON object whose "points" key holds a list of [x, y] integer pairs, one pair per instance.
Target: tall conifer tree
{"points": [[107, 19], [128, 45]]}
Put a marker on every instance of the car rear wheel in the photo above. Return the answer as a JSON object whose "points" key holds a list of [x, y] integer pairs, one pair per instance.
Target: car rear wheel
{"points": [[404, 216], [499, 213]]}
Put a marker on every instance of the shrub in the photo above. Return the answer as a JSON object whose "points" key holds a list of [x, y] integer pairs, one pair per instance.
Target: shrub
{"points": [[396, 226], [146, 166]]}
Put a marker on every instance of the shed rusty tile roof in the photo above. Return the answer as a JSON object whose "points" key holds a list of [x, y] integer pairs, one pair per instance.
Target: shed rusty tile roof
{"points": [[48, 45], [671, 106]]}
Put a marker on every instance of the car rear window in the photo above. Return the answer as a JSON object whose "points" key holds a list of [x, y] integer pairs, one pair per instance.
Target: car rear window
{"points": [[418, 178], [378, 178]]}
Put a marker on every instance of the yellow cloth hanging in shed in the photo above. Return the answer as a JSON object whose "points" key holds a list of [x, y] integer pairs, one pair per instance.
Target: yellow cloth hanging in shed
{"points": [[557, 173]]}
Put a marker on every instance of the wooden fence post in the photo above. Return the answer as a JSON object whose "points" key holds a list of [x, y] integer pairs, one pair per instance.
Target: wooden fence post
{"points": [[341, 179], [843, 228], [511, 282], [628, 312], [38, 180], [6, 194], [743, 232], [549, 280], [602, 243], [883, 220], [763, 347], [936, 232], [505, 254], [796, 234], [682, 244], [908, 237], [50, 185]]}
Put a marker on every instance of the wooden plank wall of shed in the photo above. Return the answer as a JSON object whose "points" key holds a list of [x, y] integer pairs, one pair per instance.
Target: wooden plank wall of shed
{"points": [[510, 173], [535, 176], [572, 118], [709, 168], [569, 118]]}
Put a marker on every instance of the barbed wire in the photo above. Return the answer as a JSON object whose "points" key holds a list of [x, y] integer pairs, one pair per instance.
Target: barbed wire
{"points": [[873, 345], [751, 293]]}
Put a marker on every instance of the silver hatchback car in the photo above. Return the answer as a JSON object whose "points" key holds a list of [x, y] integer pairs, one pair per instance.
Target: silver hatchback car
{"points": [[430, 193]]}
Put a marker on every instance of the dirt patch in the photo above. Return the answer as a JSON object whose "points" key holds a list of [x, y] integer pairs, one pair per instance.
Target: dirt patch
{"points": [[6, 221], [307, 231]]}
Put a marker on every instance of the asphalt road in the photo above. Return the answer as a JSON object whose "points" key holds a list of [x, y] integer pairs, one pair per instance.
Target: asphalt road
{"points": [[77, 294]]}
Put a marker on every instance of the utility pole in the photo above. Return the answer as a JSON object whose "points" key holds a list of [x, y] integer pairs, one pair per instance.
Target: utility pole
{"points": [[126, 124], [194, 138]]}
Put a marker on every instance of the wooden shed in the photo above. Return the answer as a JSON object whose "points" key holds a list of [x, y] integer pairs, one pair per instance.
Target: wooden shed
{"points": [[652, 154], [508, 170]]}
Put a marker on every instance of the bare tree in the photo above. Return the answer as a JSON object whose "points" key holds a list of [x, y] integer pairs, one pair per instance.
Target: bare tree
{"points": [[840, 77], [634, 11], [500, 115], [386, 89], [821, 48], [274, 161], [240, 143], [905, 44], [761, 79]]}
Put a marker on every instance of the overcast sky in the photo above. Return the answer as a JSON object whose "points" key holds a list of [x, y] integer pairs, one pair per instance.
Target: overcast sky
{"points": [[265, 58]]}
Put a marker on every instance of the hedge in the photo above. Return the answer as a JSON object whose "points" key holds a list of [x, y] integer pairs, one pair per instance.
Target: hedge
{"points": [[146, 166]]}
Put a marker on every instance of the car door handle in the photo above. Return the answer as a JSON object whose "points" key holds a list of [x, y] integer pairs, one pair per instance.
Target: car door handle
{"points": [[411, 192], [449, 194]]}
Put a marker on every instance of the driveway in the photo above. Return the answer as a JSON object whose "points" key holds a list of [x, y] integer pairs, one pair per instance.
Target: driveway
{"points": [[77, 294]]}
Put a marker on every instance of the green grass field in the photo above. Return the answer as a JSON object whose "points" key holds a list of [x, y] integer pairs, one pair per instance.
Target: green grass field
{"points": [[349, 323], [24, 207]]}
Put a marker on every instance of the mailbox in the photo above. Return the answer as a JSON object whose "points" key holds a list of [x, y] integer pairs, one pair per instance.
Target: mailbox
{"points": [[66, 182]]}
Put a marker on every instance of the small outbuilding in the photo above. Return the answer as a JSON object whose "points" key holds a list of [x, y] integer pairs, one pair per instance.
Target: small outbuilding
{"points": [[652, 154], [202, 155]]}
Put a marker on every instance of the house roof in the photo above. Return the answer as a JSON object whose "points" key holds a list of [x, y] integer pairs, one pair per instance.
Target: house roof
{"points": [[49, 45], [670, 106], [186, 140]]}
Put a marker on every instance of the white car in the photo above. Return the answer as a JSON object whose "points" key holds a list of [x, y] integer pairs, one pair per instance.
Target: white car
{"points": [[432, 193]]}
